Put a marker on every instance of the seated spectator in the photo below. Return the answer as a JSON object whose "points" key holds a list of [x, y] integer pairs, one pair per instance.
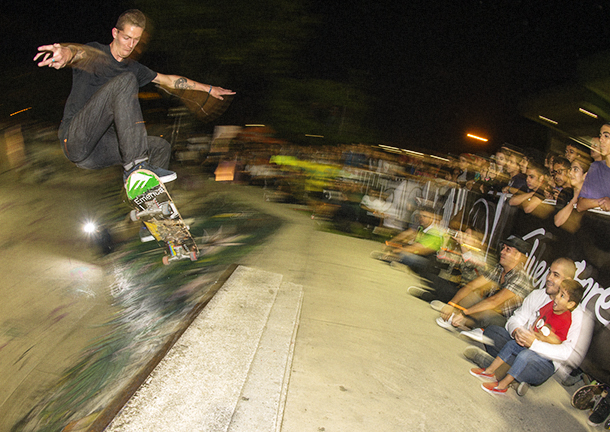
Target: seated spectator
{"points": [[595, 190], [491, 298], [551, 326], [415, 248], [468, 259], [534, 195], [577, 175]]}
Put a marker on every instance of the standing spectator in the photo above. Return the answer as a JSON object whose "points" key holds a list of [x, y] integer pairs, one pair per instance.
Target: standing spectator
{"points": [[577, 175], [595, 190], [534, 195]]}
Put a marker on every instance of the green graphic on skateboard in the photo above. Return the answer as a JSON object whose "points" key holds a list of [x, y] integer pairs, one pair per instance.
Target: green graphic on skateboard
{"points": [[153, 205]]}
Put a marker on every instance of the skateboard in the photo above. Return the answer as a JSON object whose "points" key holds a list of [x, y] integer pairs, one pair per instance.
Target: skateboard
{"points": [[586, 397], [153, 205]]}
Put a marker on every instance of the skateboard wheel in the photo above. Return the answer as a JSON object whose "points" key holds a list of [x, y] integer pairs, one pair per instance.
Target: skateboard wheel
{"points": [[193, 256], [165, 260], [134, 215], [166, 209]]}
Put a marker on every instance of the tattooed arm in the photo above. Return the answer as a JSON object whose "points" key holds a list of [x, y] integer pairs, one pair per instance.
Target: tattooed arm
{"points": [[179, 82]]}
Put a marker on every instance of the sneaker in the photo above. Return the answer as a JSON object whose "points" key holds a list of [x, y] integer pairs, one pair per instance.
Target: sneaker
{"points": [[446, 324], [492, 388], [479, 357], [480, 373], [522, 388], [477, 335], [397, 265], [164, 175], [421, 293], [145, 235], [437, 305], [600, 412]]}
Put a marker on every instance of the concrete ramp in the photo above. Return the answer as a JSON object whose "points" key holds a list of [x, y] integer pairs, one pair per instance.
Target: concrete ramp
{"points": [[230, 369]]}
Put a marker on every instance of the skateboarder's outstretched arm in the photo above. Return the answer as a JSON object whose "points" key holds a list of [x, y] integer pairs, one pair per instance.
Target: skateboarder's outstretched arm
{"points": [[58, 55], [181, 83]]}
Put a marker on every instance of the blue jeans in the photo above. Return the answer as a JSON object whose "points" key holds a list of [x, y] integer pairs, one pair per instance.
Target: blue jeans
{"points": [[526, 365], [109, 130], [500, 337]]}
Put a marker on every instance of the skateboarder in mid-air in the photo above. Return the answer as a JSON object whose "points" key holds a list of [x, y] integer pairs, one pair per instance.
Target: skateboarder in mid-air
{"points": [[102, 124]]}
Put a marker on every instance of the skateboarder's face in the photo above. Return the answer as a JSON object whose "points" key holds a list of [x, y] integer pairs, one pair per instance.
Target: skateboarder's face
{"points": [[125, 41]]}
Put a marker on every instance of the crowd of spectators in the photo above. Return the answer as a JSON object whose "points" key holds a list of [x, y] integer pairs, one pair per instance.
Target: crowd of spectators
{"points": [[529, 334]]}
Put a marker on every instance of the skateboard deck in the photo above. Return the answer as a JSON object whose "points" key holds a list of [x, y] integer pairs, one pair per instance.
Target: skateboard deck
{"points": [[154, 207]]}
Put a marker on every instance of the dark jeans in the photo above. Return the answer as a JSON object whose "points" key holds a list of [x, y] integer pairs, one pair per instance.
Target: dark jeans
{"points": [[109, 130], [440, 289], [419, 264]]}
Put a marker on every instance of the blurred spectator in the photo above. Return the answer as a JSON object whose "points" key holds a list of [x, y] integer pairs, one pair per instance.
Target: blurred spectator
{"points": [[560, 172], [466, 174], [467, 258], [595, 154], [415, 248], [517, 180]]}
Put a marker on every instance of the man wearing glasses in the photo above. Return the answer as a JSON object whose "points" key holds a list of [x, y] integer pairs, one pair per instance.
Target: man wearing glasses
{"points": [[595, 190]]}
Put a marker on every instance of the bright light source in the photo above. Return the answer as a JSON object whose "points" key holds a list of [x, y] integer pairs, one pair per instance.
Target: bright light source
{"points": [[89, 228], [20, 111], [314, 136], [589, 113], [438, 157], [255, 125], [477, 137], [547, 119], [413, 152]]}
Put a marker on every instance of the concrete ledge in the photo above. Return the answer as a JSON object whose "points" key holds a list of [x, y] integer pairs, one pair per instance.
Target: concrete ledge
{"points": [[196, 387], [261, 405]]}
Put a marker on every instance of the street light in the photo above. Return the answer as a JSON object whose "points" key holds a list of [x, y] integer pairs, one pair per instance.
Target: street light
{"points": [[477, 137]]}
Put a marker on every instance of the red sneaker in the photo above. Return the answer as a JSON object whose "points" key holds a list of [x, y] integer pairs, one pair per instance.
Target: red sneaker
{"points": [[480, 373], [492, 388]]}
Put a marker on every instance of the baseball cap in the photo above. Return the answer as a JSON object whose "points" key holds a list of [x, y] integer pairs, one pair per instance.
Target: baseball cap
{"points": [[518, 243]]}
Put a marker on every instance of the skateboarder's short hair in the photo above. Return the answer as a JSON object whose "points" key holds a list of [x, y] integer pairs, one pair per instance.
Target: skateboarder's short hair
{"points": [[131, 17]]}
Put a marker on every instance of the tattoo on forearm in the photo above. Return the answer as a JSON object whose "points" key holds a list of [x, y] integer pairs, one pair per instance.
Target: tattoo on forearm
{"points": [[182, 83]]}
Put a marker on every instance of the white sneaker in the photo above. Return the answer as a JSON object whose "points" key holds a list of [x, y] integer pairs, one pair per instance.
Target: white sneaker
{"points": [[477, 335], [416, 291], [446, 324], [437, 305]]}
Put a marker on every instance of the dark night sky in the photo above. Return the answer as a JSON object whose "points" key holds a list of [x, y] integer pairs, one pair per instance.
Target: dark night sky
{"points": [[442, 68]]}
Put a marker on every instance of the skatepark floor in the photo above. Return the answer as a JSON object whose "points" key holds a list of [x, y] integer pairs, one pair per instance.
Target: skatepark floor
{"points": [[366, 355]]}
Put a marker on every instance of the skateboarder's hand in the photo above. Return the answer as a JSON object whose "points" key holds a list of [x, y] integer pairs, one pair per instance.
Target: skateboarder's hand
{"points": [[55, 56], [219, 92]]}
